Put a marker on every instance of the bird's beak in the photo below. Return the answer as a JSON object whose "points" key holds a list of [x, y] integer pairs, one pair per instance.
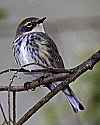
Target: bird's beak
{"points": [[41, 20]]}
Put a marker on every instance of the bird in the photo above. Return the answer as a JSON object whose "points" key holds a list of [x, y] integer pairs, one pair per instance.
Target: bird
{"points": [[32, 44]]}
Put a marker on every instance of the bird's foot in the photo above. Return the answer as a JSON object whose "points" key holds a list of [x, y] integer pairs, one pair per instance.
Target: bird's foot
{"points": [[27, 85]]}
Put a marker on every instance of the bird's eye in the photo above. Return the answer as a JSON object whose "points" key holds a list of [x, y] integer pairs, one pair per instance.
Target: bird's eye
{"points": [[28, 24]]}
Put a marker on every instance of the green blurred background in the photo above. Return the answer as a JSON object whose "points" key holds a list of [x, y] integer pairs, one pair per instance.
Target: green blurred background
{"points": [[75, 27]]}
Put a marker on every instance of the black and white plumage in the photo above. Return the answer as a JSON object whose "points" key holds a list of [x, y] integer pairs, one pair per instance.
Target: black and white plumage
{"points": [[33, 45]]}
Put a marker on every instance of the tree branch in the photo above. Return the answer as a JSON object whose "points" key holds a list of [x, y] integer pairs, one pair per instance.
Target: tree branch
{"points": [[43, 70], [66, 74], [87, 65], [60, 74]]}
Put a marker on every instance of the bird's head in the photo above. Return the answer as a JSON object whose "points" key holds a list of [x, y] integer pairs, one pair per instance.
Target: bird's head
{"points": [[30, 24]]}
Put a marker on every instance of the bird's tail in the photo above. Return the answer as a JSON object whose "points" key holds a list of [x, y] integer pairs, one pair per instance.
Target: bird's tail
{"points": [[72, 99]]}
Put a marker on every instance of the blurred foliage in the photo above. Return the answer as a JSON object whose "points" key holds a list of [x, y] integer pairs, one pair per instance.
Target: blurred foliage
{"points": [[93, 113], [3, 13], [51, 116], [56, 111]]}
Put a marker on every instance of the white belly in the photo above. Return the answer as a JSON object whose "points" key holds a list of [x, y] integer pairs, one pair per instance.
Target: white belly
{"points": [[25, 58]]}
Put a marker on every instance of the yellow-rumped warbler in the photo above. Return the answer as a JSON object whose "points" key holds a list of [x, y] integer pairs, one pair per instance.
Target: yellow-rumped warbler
{"points": [[33, 45]]}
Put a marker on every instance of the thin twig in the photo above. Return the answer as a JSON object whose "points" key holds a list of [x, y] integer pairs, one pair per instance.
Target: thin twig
{"points": [[21, 69], [9, 107], [45, 70], [4, 116], [14, 108]]}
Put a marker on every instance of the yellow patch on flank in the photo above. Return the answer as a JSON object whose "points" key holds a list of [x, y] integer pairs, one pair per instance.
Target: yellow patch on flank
{"points": [[43, 50]]}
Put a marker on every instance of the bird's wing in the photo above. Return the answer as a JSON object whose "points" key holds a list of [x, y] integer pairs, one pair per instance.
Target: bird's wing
{"points": [[47, 50]]}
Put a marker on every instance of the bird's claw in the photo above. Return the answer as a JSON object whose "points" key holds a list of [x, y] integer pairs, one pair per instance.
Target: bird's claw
{"points": [[27, 85]]}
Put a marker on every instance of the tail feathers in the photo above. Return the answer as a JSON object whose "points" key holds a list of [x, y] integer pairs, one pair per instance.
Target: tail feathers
{"points": [[74, 102], [72, 99]]}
